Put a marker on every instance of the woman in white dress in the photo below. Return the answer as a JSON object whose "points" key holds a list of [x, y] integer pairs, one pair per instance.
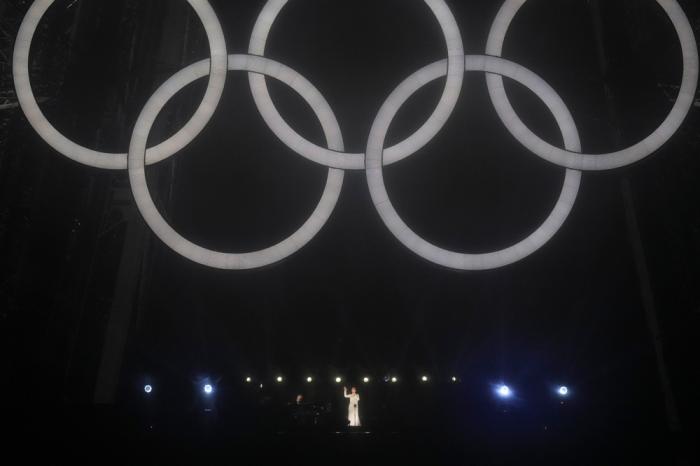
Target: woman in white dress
{"points": [[353, 407]]}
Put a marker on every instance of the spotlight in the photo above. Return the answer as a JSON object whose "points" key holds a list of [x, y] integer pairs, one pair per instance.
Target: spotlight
{"points": [[365, 380], [394, 380], [454, 379], [248, 379], [208, 389], [424, 378], [280, 379], [147, 388], [309, 379], [563, 390], [504, 391], [338, 379]]}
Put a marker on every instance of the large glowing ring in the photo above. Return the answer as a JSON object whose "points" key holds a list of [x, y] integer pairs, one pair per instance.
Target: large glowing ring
{"points": [[423, 248], [93, 158], [571, 159], [330, 158], [208, 257]]}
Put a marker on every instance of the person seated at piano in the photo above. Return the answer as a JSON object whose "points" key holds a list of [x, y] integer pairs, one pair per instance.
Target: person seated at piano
{"points": [[298, 410]]}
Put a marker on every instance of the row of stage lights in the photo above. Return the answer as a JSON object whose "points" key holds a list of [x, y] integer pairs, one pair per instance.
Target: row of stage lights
{"points": [[504, 391], [501, 390], [388, 379]]}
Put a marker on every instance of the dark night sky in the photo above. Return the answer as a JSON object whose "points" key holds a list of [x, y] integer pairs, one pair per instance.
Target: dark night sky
{"points": [[354, 299]]}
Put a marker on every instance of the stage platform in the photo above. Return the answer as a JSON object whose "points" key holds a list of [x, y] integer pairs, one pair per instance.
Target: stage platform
{"points": [[107, 436]]}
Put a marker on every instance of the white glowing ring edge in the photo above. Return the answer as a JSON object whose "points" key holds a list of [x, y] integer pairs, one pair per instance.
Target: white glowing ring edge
{"points": [[208, 257], [106, 160], [612, 160], [420, 246], [329, 158]]}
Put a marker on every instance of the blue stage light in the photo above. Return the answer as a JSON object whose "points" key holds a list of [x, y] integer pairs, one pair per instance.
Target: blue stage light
{"points": [[208, 389], [563, 390], [504, 391], [147, 388]]}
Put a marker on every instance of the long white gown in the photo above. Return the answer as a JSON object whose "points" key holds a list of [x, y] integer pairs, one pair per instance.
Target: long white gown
{"points": [[353, 408]]}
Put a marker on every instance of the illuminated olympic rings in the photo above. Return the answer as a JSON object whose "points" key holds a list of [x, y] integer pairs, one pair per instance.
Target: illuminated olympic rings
{"points": [[376, 156]]}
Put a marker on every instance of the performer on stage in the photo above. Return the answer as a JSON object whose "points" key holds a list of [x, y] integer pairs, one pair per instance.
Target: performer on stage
{"points": [[298, 411], [353, 407]]}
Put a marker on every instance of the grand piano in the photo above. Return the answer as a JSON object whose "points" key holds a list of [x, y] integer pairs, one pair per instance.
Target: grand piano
{"points": [[308, 414]]}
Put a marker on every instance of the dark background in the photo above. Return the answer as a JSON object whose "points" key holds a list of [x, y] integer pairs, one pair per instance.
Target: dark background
{"points": [[354, 301]]}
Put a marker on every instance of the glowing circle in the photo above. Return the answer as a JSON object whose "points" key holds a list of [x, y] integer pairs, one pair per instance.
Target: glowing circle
{"points": [[208, 389], [248, 379], [563, 390], [571, 158], [208, 257], [309, 379], [336, 158], [279, 379], [93, 158], [365, 379], [394, 380], [424, 378], [420, 246], [147, 389], [338, 379]]}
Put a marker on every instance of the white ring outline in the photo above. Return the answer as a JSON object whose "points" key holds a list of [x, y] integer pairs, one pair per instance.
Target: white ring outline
{"points": [[106, 160], [329, 158], [208, 257], [420, 246], [612, 160]]}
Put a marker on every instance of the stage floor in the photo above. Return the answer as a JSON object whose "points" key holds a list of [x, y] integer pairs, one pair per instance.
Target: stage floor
{"points": [[100, 438]]}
